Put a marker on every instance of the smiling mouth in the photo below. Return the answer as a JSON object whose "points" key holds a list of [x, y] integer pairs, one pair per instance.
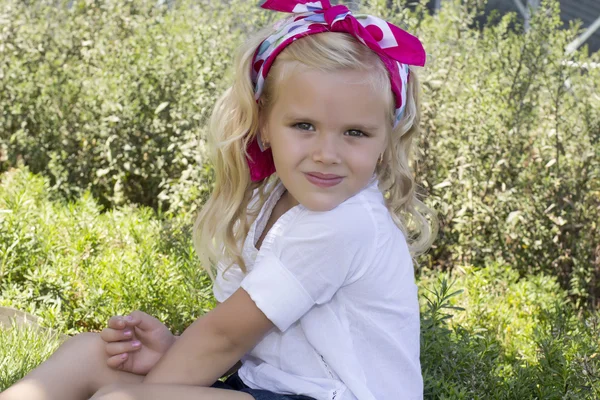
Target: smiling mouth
{"points": [[323, 180]]}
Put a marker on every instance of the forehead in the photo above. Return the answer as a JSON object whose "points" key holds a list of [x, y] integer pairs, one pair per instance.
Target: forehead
{"points": [[342, 97]]}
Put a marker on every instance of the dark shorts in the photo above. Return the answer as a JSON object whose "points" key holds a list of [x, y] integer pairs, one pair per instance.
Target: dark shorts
{"points": [[235, 383]]}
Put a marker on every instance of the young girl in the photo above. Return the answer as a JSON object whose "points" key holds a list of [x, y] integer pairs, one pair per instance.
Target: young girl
{"points": [[312, 269]]}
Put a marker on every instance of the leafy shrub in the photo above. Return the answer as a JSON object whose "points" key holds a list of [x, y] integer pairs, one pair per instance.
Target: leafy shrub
{"points": [[511, 145], [75, 266], [108, 101], [509, 338], [21, 350], [112, 96]]}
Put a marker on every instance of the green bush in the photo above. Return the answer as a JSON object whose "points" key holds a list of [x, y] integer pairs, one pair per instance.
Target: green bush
{"points": [[112, 96], [511, 145], [21, 350], [107, 101], [509, 338], [75, 266]]}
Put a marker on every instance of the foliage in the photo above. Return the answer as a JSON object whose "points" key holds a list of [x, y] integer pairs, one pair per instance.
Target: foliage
{"points": [[106, 102], [509, 338], [21, 350], [75, 266], [510, 154], [111, 96]]}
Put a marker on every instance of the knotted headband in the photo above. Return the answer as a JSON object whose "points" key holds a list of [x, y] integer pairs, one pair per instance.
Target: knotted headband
{"points": [[396, 48]]}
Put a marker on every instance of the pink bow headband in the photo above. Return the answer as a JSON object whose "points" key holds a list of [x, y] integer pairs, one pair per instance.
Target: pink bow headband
{"points": [[396, 48]]}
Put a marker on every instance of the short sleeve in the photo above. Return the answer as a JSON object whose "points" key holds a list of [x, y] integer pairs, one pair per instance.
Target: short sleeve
{"points": [[227, 281], [315, 255]]}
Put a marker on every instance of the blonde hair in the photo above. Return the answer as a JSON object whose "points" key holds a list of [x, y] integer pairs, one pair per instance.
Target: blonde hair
{"points": [[225, 219]]}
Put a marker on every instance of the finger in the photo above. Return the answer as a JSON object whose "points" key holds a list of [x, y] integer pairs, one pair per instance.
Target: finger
{"points": [[116, 361], [116, 322], [143, 321], [114, 348], [120, 322], [116, 335]]}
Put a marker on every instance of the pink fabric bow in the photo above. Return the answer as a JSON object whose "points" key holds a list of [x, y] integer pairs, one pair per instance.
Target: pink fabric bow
{"points": [[396, 48], [408, 49]]}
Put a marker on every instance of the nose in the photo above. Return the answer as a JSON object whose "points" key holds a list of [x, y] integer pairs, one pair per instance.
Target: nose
{"points": [[326, 149]]}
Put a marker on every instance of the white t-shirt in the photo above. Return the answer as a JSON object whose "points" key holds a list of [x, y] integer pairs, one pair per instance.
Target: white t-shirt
{"points": [[339, 288]]}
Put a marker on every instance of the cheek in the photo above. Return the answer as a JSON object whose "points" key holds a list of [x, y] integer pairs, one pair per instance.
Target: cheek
{"points": [[286, 149], [364, 158]]}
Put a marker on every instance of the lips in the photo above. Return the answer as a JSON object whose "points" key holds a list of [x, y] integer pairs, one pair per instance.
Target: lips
{"points": [[323, 180], [323, 176]]}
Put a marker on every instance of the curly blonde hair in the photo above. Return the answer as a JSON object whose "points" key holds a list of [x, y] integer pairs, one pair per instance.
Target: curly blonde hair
{"points": [[225, 219]]}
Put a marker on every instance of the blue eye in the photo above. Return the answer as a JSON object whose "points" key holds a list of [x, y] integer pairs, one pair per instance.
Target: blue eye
{"points": [[355, 133], [305, 126]]}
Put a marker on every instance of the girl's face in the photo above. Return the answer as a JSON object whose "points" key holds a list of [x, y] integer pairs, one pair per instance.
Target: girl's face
{"points": [[327, 131]]}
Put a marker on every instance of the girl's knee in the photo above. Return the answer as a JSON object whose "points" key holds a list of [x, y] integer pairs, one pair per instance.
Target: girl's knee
{"points": [[102, 380], [87, 351], [88, 343], [82, 339]]}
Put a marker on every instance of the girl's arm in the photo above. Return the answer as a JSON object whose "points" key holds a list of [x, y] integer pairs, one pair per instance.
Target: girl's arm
{"points": [[213, 343], [237, 365]]}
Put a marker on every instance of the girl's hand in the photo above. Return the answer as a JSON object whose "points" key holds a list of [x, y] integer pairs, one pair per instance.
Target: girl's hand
{"points": [[136, 342]]}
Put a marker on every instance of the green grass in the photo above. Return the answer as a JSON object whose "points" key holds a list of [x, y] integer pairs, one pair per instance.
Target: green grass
{"points": [[21, 350], [75, 266], [491, 334], [495, 335]]}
